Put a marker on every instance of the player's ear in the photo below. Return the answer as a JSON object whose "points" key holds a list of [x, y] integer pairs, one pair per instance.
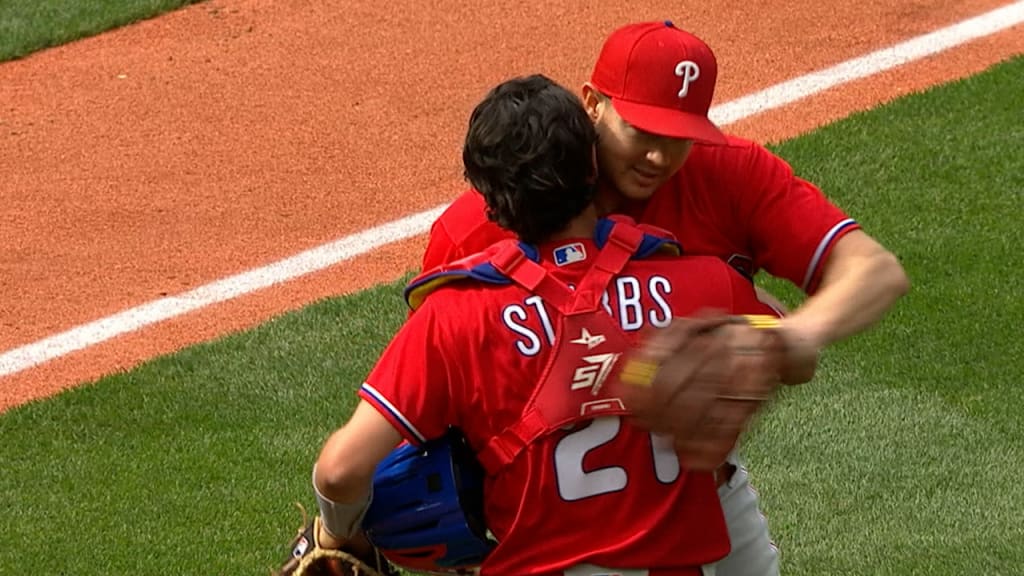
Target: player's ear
{"points": [[592, 101]]}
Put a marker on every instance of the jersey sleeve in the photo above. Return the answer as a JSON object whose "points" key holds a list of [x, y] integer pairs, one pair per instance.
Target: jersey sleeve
{"points": [[461, 230], [792, 225], [414, 384], [441, 249]]}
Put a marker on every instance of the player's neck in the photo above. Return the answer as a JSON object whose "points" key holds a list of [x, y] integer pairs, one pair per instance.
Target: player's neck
{"points": [[607, 200], [581, 226]]}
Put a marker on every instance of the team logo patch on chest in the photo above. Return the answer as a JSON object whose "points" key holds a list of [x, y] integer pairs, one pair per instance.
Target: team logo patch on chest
{"points": [[570, 253], [595, 368], [589, 340], [593, 372]]}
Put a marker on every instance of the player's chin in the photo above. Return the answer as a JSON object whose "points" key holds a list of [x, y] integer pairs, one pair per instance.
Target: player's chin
{"points": [[639, 193], [639, 188]]}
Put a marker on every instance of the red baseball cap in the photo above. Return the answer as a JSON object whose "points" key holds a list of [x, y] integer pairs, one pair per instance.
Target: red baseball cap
{"points": [[660, 79]]}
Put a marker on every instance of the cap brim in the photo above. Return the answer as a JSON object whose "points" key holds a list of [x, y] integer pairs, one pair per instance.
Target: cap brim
{"points": [[669, 122]]}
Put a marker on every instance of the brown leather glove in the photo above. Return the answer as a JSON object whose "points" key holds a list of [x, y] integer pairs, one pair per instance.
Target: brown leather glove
{"points": [[701, 380], [309, 558]]}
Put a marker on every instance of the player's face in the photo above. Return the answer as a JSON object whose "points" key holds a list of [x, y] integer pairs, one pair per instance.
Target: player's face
{"points": [[635, 163]]}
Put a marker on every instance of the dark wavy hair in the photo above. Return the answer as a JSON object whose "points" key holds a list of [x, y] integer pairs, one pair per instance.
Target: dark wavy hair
{"points": [[529, 151]]}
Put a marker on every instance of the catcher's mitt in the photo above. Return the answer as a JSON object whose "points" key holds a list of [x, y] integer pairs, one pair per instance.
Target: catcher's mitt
{"points": [[701, 380], [308, 558]]}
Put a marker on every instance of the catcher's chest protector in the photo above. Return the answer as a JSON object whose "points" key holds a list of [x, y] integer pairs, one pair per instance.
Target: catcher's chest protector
{"points": [[575, 384]]}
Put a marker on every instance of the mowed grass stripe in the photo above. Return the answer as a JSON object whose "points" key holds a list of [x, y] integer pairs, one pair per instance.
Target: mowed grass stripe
{"points": [[894, 461]]}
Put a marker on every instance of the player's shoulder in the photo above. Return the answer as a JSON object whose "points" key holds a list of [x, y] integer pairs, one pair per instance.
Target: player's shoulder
{"points": [[471, 273], [737, 156], [467, 211], [455, 306], [450, 293], [468, 202], [739, 167], [465, 223]]}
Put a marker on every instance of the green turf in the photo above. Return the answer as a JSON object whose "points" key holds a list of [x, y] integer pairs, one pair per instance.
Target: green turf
{"points": [[191, 463], [901, 458], [30, 25]]}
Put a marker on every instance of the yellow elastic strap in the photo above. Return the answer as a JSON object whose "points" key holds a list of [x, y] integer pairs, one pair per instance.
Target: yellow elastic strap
{"points": [[638, 372], [641, 373], [762, 321]]}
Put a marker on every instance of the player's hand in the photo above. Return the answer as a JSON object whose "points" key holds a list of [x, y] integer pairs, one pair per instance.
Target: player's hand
{"points": [[700, 381], [671, 378], [801, 352], [315, 552]]}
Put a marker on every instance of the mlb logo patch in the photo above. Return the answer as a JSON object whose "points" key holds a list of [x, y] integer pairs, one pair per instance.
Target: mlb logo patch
{"points": [[570, 253]]}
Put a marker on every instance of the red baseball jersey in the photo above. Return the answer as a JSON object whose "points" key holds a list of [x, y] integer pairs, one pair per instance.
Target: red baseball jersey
{"points": [[738, 202], [601, 491]]}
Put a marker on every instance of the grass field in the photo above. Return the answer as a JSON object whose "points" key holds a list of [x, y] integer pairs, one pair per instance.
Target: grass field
{"points": [[30, 25], [897, 459]]}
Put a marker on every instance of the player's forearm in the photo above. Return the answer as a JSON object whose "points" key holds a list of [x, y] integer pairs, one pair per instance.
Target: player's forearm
{"points": [[341, 483], [855, 294], [342, 492], [349, 457], [343, 475]]}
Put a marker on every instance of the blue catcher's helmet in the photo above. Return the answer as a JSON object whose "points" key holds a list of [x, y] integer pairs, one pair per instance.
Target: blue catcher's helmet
{"points": [[427, 509]]}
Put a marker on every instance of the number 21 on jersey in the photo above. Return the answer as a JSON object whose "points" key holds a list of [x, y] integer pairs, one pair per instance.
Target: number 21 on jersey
{"points": [[576, 483]]}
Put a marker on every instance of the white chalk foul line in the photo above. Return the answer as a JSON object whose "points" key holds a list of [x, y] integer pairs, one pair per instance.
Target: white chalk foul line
{"points": [[228, 288], [327, 255], [874, 63]]}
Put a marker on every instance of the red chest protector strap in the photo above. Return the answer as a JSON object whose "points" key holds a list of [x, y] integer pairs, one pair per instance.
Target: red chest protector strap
{"points": [[587, 346]]}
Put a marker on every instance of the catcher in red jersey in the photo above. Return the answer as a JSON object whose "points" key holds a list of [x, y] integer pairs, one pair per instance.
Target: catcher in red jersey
{"points": [[663, 162], [518, 347]]}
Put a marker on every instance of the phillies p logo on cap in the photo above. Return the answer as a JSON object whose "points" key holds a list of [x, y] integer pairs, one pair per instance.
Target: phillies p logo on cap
{"points": [[660, 79], [688, 71]]}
